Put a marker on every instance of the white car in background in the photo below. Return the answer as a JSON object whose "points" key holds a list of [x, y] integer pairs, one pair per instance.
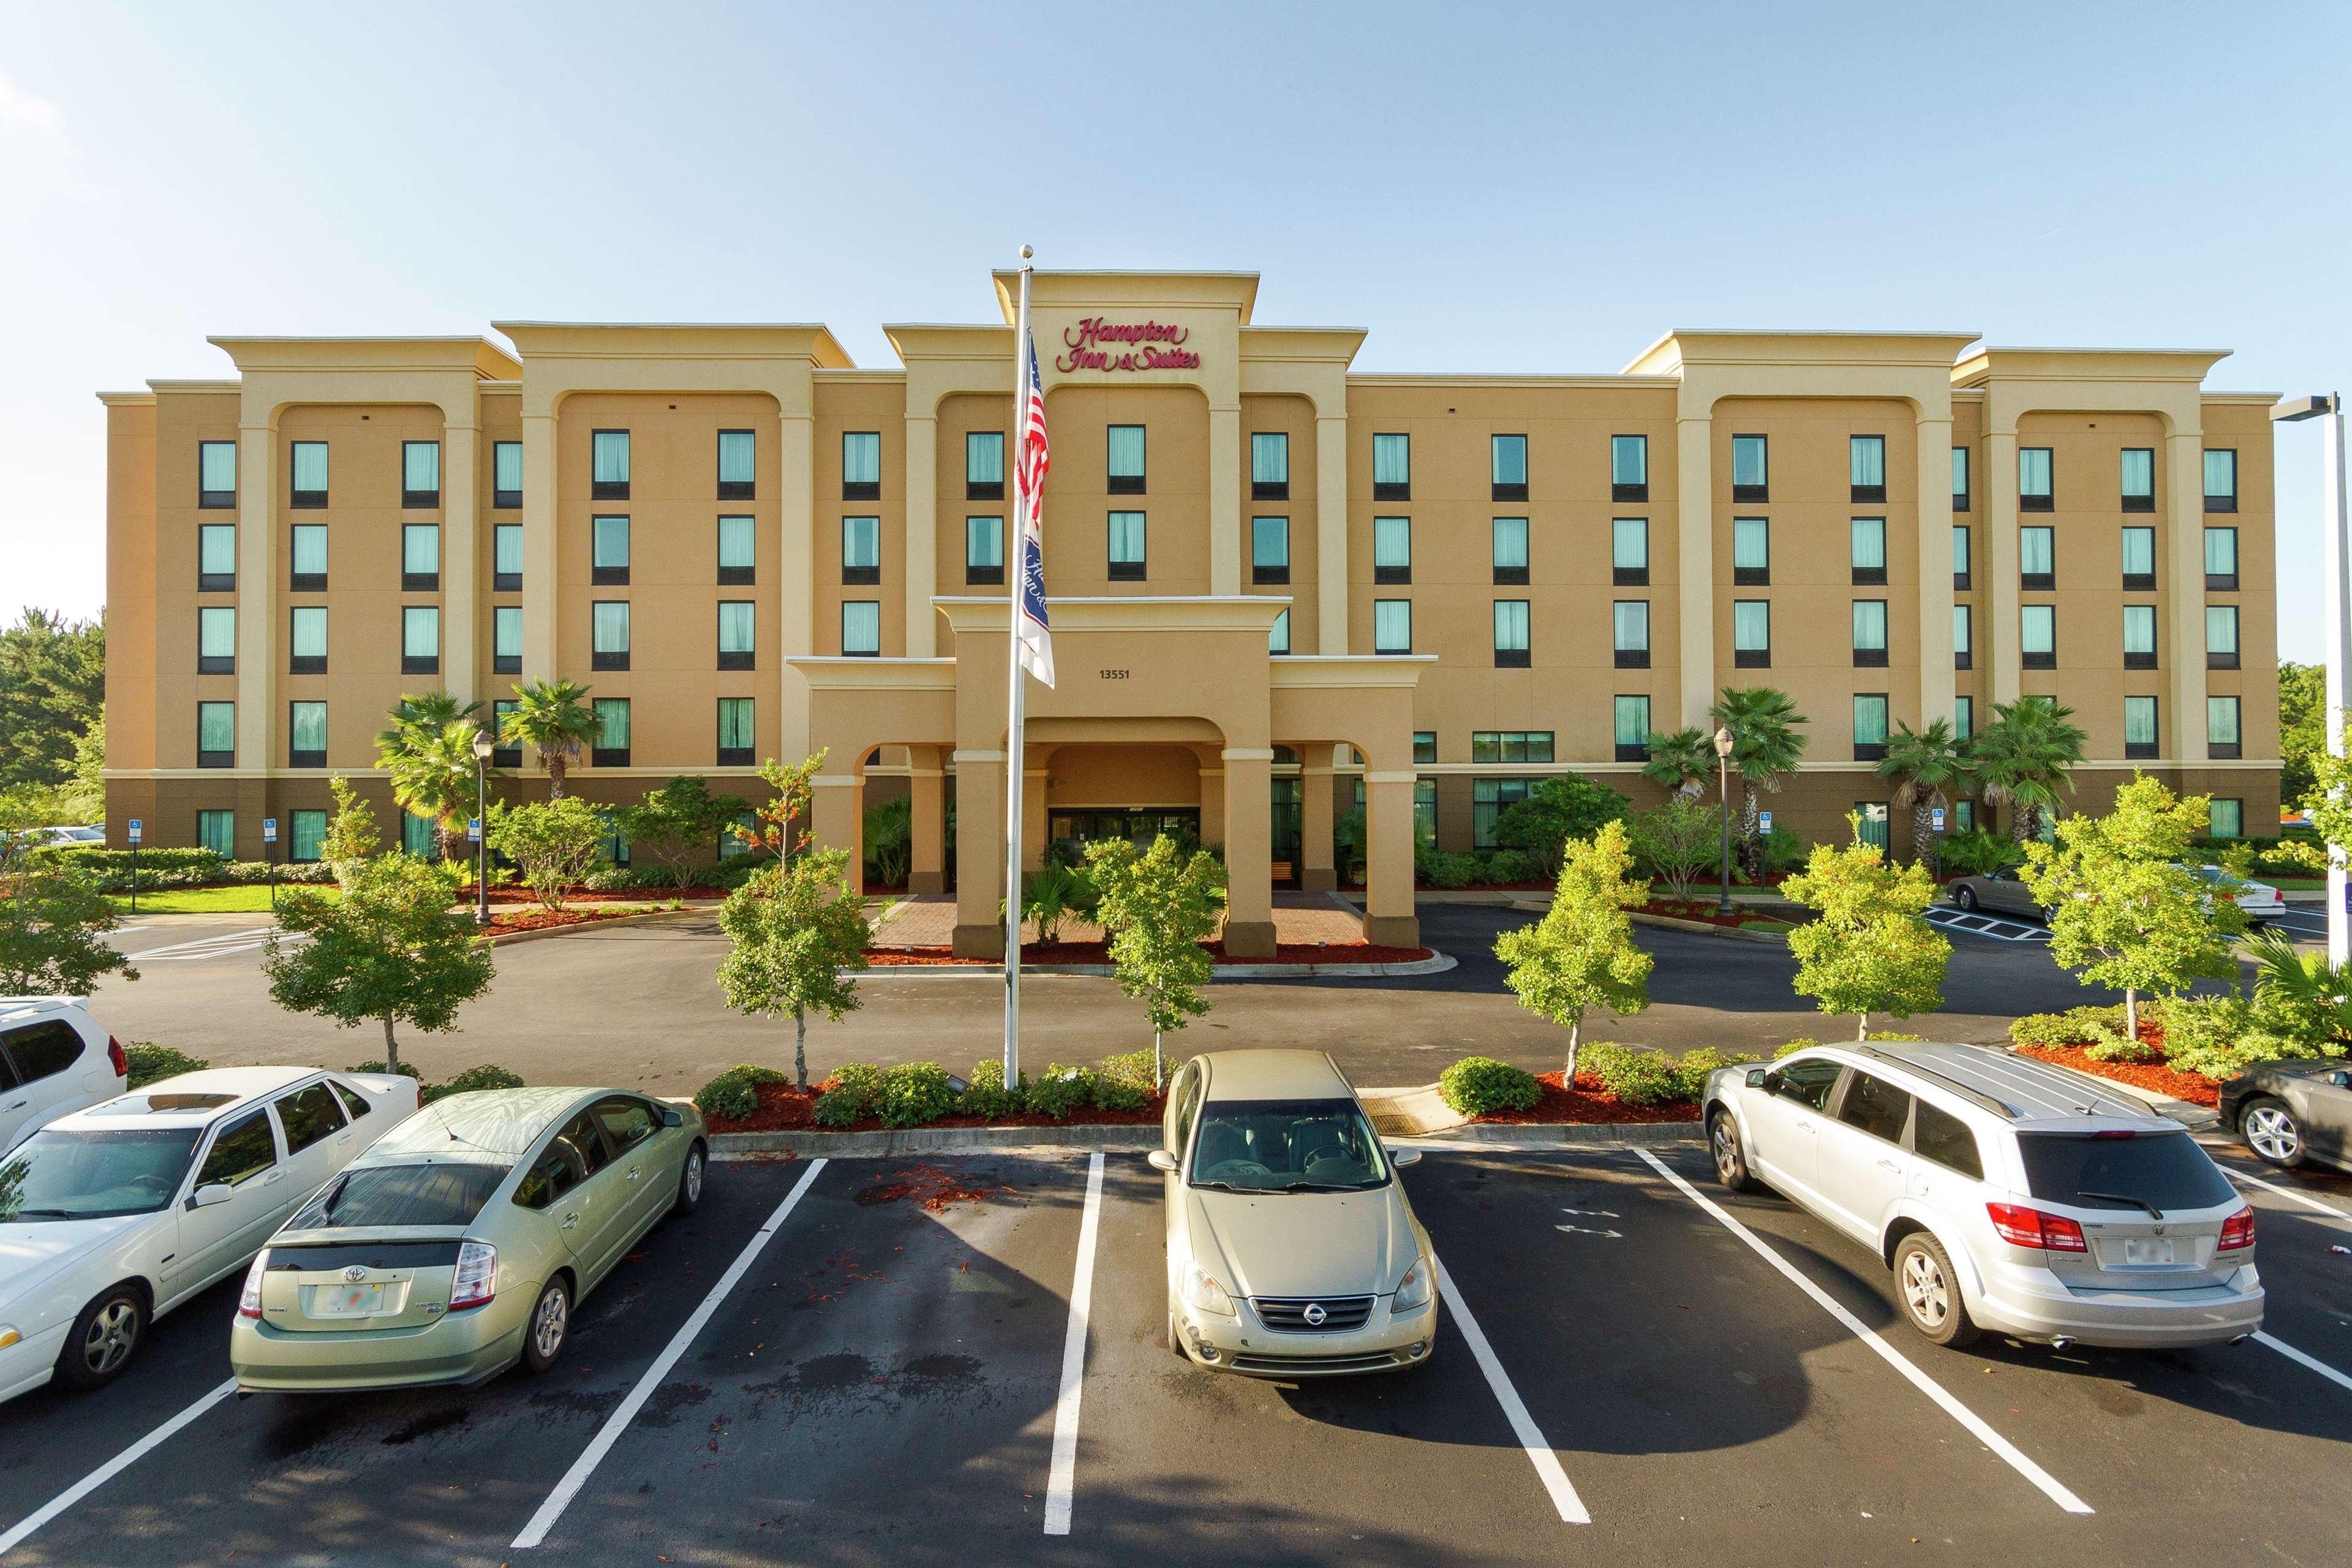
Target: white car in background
{"points": [[2260, 901], [116, 1214], [54, 1058]]}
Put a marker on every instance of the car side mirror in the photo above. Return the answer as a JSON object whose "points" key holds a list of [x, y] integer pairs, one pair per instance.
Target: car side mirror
{"points": [[1769, 1083], [1401, 1158], [1161, 1160], [210, 1192], [1757, 1078], [670, 1117]]}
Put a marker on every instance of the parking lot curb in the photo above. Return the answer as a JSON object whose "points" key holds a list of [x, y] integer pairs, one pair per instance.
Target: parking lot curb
{"points": [[1505, 1137], [1079, 1139], [504, 939], [1733, 934], [1435, 963]]}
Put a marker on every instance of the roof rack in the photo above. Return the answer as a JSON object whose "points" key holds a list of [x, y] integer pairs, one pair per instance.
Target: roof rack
{"points": [[1990, 1103]]}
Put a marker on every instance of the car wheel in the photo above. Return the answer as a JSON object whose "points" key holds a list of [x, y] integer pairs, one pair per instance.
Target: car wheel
{"points": [[1730, 1155], [1930, 1292], [104, 1339], [551, 1321], [689, 1179], [2272, 1132], [1967, 898]]}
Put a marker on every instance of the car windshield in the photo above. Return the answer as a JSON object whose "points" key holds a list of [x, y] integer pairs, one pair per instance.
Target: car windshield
{"points": [[441, 1193], [57, 1175], [2106, 1171], [1286, 1146]]}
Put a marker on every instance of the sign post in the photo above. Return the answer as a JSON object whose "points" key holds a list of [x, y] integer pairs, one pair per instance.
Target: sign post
{"points": [[269, 857], [135, 825]]}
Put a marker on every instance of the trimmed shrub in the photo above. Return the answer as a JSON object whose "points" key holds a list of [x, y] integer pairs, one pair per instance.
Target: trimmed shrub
{"points": [[1132, 1067], [1061, 1090], [2219, 1037], [1793, 1046], [1892, 1035], [1976, 853], [1119, 1093], [1637, 1078], [987, 1095], [474, 1079], [851, 1095], [1513, 866], [1435, 867], [1477, 1085], [405, 1069], [151, 1063], [1690, 1071], [914, 1093], [735, 1093]]}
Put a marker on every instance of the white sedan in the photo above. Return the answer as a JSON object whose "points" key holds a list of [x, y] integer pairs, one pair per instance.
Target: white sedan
{"points": [[2259, 900], [115, 1214]]}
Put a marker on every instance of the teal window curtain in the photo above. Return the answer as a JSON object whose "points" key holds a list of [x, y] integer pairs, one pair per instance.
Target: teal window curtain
{"points": [[736, 546], [1425, 745], [1960, 470], [2037, 630], [420, 631], [861, 626], [307, 839], [1748, 465], [2220, 628], [2036, 551], [2139, 551], [1632, 724], [499, 711], [1392, 541], [1874, 822], [416, 835], [2140, 628], [1424, 810], [1870, 624], [861, 542], [217, 464], [2226, 818], [1277, 637], [984, 456], [1751, 543], [507, 545], [861, 457], [1124, 452], [2139, 721], [1392, 459], [611, 542], [735, 722], [1964, 718], [2222, 475], [1511, 543], [1630, 621], [420, 467], [2138, 476], [1127, 536], [216, 726], [420, 547], [310, 640], [1508, 456], [612, 722], [1269, 457], [1870, 544], [738, 458], [1869, 718], [216, 550], [506, 465], [1960, 549], [1629, 459], [1511, 625], [309, 465], [1866, 459], [2033, 470], [1628, 543], [1269, 541], [217, 831], [1488, 797], [506, 631], [1751, 625], [1393, 626], [2221, 550], [735, 625], [216, 633], [2220, 720], [310, 549], [984, 540], [1963, 629], [611, 625], [611, 457], [306, 726], [1964, 816]]}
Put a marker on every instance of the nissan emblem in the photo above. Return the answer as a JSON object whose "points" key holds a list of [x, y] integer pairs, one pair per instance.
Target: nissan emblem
{"points": [[1315, 1314]]}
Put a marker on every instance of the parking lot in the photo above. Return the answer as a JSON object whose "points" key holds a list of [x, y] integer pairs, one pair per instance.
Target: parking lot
{"points": [[863, 1362]]}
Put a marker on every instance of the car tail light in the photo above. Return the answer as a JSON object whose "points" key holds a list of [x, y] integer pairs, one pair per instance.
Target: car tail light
{"points": [[2238, 1231], [2021, 1227], [248, 1305], [478, 1276], [117, 1058]]}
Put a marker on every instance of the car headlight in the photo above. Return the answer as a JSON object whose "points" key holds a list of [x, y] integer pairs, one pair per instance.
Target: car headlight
{"points": [[1203, 1294], [8, 1336], [1412, 1290]]}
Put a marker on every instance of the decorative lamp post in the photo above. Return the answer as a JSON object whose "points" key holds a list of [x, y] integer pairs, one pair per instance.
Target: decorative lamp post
{"points": [[484, 744], [1723, 782]]}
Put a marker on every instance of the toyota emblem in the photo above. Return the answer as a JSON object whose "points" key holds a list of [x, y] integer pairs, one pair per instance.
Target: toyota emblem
{"points": [[1315, 1314], [355, 1273]]}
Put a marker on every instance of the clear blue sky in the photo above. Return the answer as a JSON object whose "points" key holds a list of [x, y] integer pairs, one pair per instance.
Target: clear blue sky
{"points": [[1538, 188]]}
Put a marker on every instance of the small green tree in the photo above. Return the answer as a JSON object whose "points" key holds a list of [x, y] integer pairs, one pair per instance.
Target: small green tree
{"points": [[553, 843], [2302, 727], [1681, 761], [796, 931], [555, 718], [1158, 908], [51, 923], [1923, 764], [1582, 954], [1868, 951], [2124, 907], [1677, 843], [680, 823], [1765, 746], [889, 836], [2328, 801], [388, 950], [433, 775], [1556, 811], [352, 837]]}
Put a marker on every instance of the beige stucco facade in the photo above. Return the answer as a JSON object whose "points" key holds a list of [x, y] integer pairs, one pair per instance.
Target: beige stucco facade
{"points": [[1239, 672]]}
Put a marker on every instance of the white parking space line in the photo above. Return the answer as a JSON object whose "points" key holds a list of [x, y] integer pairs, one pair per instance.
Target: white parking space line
{"points": [[2309, 1363], [2305, 1199], [1063, 1476], [1531, 1438], [1984, 1434], [217, 946], [98, 1478], [616, 1424]]}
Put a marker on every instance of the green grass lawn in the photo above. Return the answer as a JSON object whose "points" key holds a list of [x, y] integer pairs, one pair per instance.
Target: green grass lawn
{"points": [[243, 901], [2295, 884]]}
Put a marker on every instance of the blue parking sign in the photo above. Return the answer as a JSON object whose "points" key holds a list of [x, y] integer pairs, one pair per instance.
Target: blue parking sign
{"points": [[1764, 821], [135, 825], [269, 830], [1936, 818], [474, 829]]}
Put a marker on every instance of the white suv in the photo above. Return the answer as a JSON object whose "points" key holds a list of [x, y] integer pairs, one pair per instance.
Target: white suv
{"points": [[2006, 1194], [53, 1060]]}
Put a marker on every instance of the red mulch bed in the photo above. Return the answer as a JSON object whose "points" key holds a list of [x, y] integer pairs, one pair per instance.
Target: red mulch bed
{"points": [[536, 919], [1680, 910], [784, 1109], [2154, 1077], [1588, 1104], [591, 896], [1099, 953]]}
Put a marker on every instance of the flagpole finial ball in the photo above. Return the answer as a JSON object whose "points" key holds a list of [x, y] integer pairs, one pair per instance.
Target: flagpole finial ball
{"points": [[1026, 253]]}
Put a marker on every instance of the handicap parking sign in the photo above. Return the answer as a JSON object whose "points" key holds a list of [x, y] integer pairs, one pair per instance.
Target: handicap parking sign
{"points": [[474, 829], [1764, 821], [1936, 818], [134, 830], [269, 830]]}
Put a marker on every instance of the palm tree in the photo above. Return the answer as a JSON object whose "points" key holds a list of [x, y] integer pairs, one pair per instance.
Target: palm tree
{"points": [[1922, 763], [423, 715], [1679, 763], [1764, 745], [2023, 758], [433, 776], [556, 719]]}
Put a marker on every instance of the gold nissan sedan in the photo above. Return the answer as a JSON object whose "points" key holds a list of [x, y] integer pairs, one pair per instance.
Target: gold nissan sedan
{"points": [[462, 1242], [1291, 1249]]}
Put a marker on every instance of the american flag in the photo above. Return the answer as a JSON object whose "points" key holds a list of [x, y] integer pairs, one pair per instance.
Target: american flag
{"points": [[1031, 459]]}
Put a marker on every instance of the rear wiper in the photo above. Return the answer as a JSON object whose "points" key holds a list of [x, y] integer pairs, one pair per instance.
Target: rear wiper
{"points": [[2154, 1212], [336, 1197]]}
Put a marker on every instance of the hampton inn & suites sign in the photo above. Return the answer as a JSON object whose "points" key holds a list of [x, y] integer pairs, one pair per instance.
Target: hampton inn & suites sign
{"points": [[1098, 343]]}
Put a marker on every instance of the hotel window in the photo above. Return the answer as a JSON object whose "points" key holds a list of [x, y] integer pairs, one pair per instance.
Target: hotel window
{"points": [[1510, 746], [612, 747], [420, 640], [2034, 492], [1873, 829], [608, 478], [2221, 481], [1960, 558], [1964, 656], [1964, 816], [1510, 536], [2220, 560], [608, 546], [1630, 624], [731, 837], [1633, 728], [1629, 553], [2139, 636], [2226, 818], [506, 640], [1751, 633], [1869, 550], [1751, 552], [1391, 467], [1126, 538], [1964, 718], [505, 558], [2037, 562], [2139, 728], [861, 628], [1510, 633], [1488, 797], [737, 466], [2137, 480], [1867, 467], [308, 837], [1123, 458], [1870, 634], [2037, 640], [1269, 550], [735, 634], [735, 738], [1392, 550], [216, 641], [1269, 466], [1869, 726], [1959, 478], [309, 563], [507, 754], [216, 474], [2139, 560], [1425, 745], [420, 473], [1277, 635], [737, 552], [2222, 735], [983, 550], [1391, 626], [861, 550], [1507, 458], [2220, 636], [1425, 811], [418, 837], [506, 475], [1750, 475], [420, 557], [306, 734], [309, 473], [217, 558], [216, 734], [1629, 468], [861, 465], [307, 645], [983, 465], [217, 831]]}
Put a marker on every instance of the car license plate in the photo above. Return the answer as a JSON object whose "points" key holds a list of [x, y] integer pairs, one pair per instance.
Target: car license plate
{"points": [[2158, 1249], [347, 1302]]}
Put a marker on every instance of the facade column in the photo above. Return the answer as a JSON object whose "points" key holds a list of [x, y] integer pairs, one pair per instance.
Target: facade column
{"points": [[1034, 779], [1388, 918], [1999, 638], [539, 652], [257, 717], [927, 789], [461, 565], [1695, 558], [2184, 586], [1212, 807], [1224, 501], [1933, 447], [979, 854], [796, 555], [837, 820], [1316, 873], [923, 508], [1249, 851], [1333, 588]]}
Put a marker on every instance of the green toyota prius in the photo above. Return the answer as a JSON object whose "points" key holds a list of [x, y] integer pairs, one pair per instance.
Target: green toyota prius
{"points": [[462, 1241]]}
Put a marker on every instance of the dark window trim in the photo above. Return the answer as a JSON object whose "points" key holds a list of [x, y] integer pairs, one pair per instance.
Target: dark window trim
{"points": [[1870, 658], [1124, 484], [1751, 576], [2221, 582], [1633, 659], [2139, 660], [736, 576], [2139, 581], [737, 489], [306, 581], [1511, 576], [1269, 489], [1752, 658], [618, 659], [426, 664], [216, 500], [308, 501], [2038, 660], [1629, 577], [736, 756], [1870, 576], [739, 659], [1270, 574], [1960, 582], [1870, 751], [1633, 754], [1512, 658], [2140, 751], [1392, 492], [608, 490], [983, 489], [1126, 570], [2220, 503], [2221, 660], [506, 501], [2140, 504], [295, 759], [215, 582], [1960, 501], [1964, 658], [306, 664], [506, 664], [1387, 576], [420, 582], [2224, 750], [861, 576], [506, 582], [2037, 582], [215, 664], [1740, 492], [861, 490], [506, 757], [982, 576], [1508, 492], [2037, 504], [215, 759], [608, 756], [1629, 492], [1744, 493], [1867, 492], [609, 577]]}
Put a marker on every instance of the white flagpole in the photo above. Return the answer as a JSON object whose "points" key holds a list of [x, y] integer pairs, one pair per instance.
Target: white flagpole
{"points": [[1016, 705]]}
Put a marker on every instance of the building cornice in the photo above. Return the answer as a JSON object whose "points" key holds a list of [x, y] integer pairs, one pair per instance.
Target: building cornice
{"points": [[1235, 291], [484, 358], [1688, 346], [1998, 363], [810, 343], [127, 399]]}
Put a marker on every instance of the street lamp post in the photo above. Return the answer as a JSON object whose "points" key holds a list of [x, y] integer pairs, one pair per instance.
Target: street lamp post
{"points": [[484, 744], [1723, 782], [2335, 566]]}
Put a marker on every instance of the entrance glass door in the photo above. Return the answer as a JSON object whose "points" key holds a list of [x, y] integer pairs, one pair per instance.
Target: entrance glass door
{"points": [[1138, 825], [1287, 838]]}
